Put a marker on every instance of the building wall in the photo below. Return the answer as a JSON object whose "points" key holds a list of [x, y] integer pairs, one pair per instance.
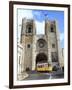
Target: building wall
{"points": [[20, 59], [62, 60]]}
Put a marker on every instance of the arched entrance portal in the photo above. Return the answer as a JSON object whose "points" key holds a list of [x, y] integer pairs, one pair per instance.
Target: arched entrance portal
{"points": [[41, 58]]}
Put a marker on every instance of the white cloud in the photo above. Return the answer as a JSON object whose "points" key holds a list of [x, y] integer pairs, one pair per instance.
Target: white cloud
{"points": [[61, 36], [40, 27], [24, 13]]}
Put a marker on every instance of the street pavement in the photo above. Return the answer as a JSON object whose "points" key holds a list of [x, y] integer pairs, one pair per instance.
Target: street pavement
{"points": [[34, 75]]}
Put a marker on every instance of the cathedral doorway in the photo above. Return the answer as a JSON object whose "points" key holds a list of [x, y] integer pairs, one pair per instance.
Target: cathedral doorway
{"points": [[41, 58]]}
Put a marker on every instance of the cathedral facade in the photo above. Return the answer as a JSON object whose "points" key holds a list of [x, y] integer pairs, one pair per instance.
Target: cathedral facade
{"points": [[40, 48]]}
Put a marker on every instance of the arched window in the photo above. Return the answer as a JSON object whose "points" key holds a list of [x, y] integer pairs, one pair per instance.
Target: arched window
{"points": [[52, 28], [28, 45], [29, 29]]}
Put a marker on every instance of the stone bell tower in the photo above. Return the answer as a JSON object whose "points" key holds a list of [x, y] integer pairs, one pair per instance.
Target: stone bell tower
{"points": [[27, 33], [53, 40]]}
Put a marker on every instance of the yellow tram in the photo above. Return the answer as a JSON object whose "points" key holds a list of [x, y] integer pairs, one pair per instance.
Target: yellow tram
{"points": [[44, 67]]}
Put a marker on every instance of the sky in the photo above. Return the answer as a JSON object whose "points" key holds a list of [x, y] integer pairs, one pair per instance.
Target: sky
{"points": [[39, 16]]}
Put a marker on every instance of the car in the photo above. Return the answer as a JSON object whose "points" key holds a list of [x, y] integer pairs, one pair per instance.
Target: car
{"points": [[56, 68]]}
